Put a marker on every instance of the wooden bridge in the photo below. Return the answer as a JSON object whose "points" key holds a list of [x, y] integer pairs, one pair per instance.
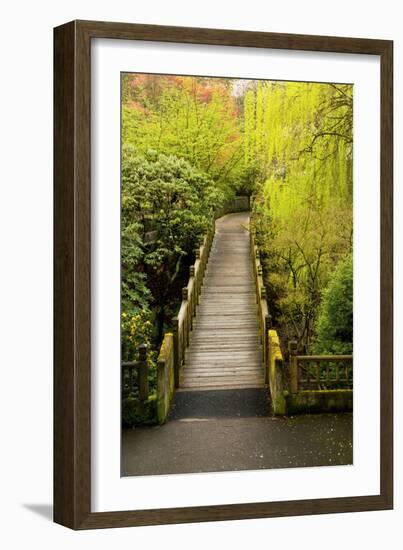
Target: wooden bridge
{"points": [[225, 348], [222, 337], [225, 362]]}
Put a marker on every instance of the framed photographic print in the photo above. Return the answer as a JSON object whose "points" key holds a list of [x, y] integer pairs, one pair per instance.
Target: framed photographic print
{"points": [[223, 274]]}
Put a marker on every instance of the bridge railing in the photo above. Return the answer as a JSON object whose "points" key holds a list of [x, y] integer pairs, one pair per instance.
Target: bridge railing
{"points": [[263, 309], [272, 359], [275, 368], [322, 372], [172, 351], [237, 204], [319, 383], [135, 375], [183, 321], [135, 378], [173, 347], [165, 377]]}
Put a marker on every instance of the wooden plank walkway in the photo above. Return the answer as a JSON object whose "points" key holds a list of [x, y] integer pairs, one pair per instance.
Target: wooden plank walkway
{"points": [[225, 350]]}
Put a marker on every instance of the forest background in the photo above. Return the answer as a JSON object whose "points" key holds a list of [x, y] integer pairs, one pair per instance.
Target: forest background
{"points": [[191, 143]]}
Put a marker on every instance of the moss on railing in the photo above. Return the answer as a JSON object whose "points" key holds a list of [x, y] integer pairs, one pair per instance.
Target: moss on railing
{"points": [[319, 401], [275, 365], [263, 308], [165, 378]]}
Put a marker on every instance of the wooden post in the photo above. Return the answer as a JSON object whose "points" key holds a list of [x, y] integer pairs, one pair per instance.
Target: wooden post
{"points": [[160, 378], [201, 266], [194, 293], [269, 321], [188, 314], [266, 350], [280, 405], [292, 346], [197, 282], [143, 372], [175, 325], [192, 272]]}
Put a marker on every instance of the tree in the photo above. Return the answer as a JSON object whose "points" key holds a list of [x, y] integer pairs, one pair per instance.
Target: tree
{"points": [[167, 198], [301, 135], [189, 117], [191, 142], [334, 329]]}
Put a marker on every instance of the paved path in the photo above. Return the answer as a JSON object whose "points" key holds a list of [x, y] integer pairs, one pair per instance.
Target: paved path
{"points": [[229, 430], [225, 349]]}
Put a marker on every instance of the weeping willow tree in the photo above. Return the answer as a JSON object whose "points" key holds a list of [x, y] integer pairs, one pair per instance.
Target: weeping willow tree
{"points": [[300, 134]]}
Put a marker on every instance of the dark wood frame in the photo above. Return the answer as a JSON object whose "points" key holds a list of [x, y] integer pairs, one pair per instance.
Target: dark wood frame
{"points": [[72, 320]]}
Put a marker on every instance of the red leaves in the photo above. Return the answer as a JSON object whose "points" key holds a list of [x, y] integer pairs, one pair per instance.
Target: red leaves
{"points": [[137, 107]]}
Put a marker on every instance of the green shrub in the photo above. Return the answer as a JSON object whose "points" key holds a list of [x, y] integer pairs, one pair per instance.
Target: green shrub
{"points": [[135, 412], [334, 328], [168, 199]]}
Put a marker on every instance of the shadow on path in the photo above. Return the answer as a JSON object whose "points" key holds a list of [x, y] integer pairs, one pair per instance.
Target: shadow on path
{"points": [[241, 403], [230, 430]]}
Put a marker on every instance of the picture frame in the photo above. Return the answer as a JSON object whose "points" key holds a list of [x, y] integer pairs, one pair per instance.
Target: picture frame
{"points": [[72, 274]]}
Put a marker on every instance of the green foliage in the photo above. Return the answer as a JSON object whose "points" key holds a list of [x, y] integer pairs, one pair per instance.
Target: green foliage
{"points": [[167, 195], [302, 139], [191, 118], [190, 143], [167, 205], [180, 150], [135, 412], [335, 321]]}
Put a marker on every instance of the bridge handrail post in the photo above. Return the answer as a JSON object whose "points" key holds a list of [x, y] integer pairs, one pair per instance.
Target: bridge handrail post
{"points": [[192, 281], [276, 373], [200, 259], [261, 301], [143, 372], [175, 324], [187, 316], [266, 343], [292, 348]]}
